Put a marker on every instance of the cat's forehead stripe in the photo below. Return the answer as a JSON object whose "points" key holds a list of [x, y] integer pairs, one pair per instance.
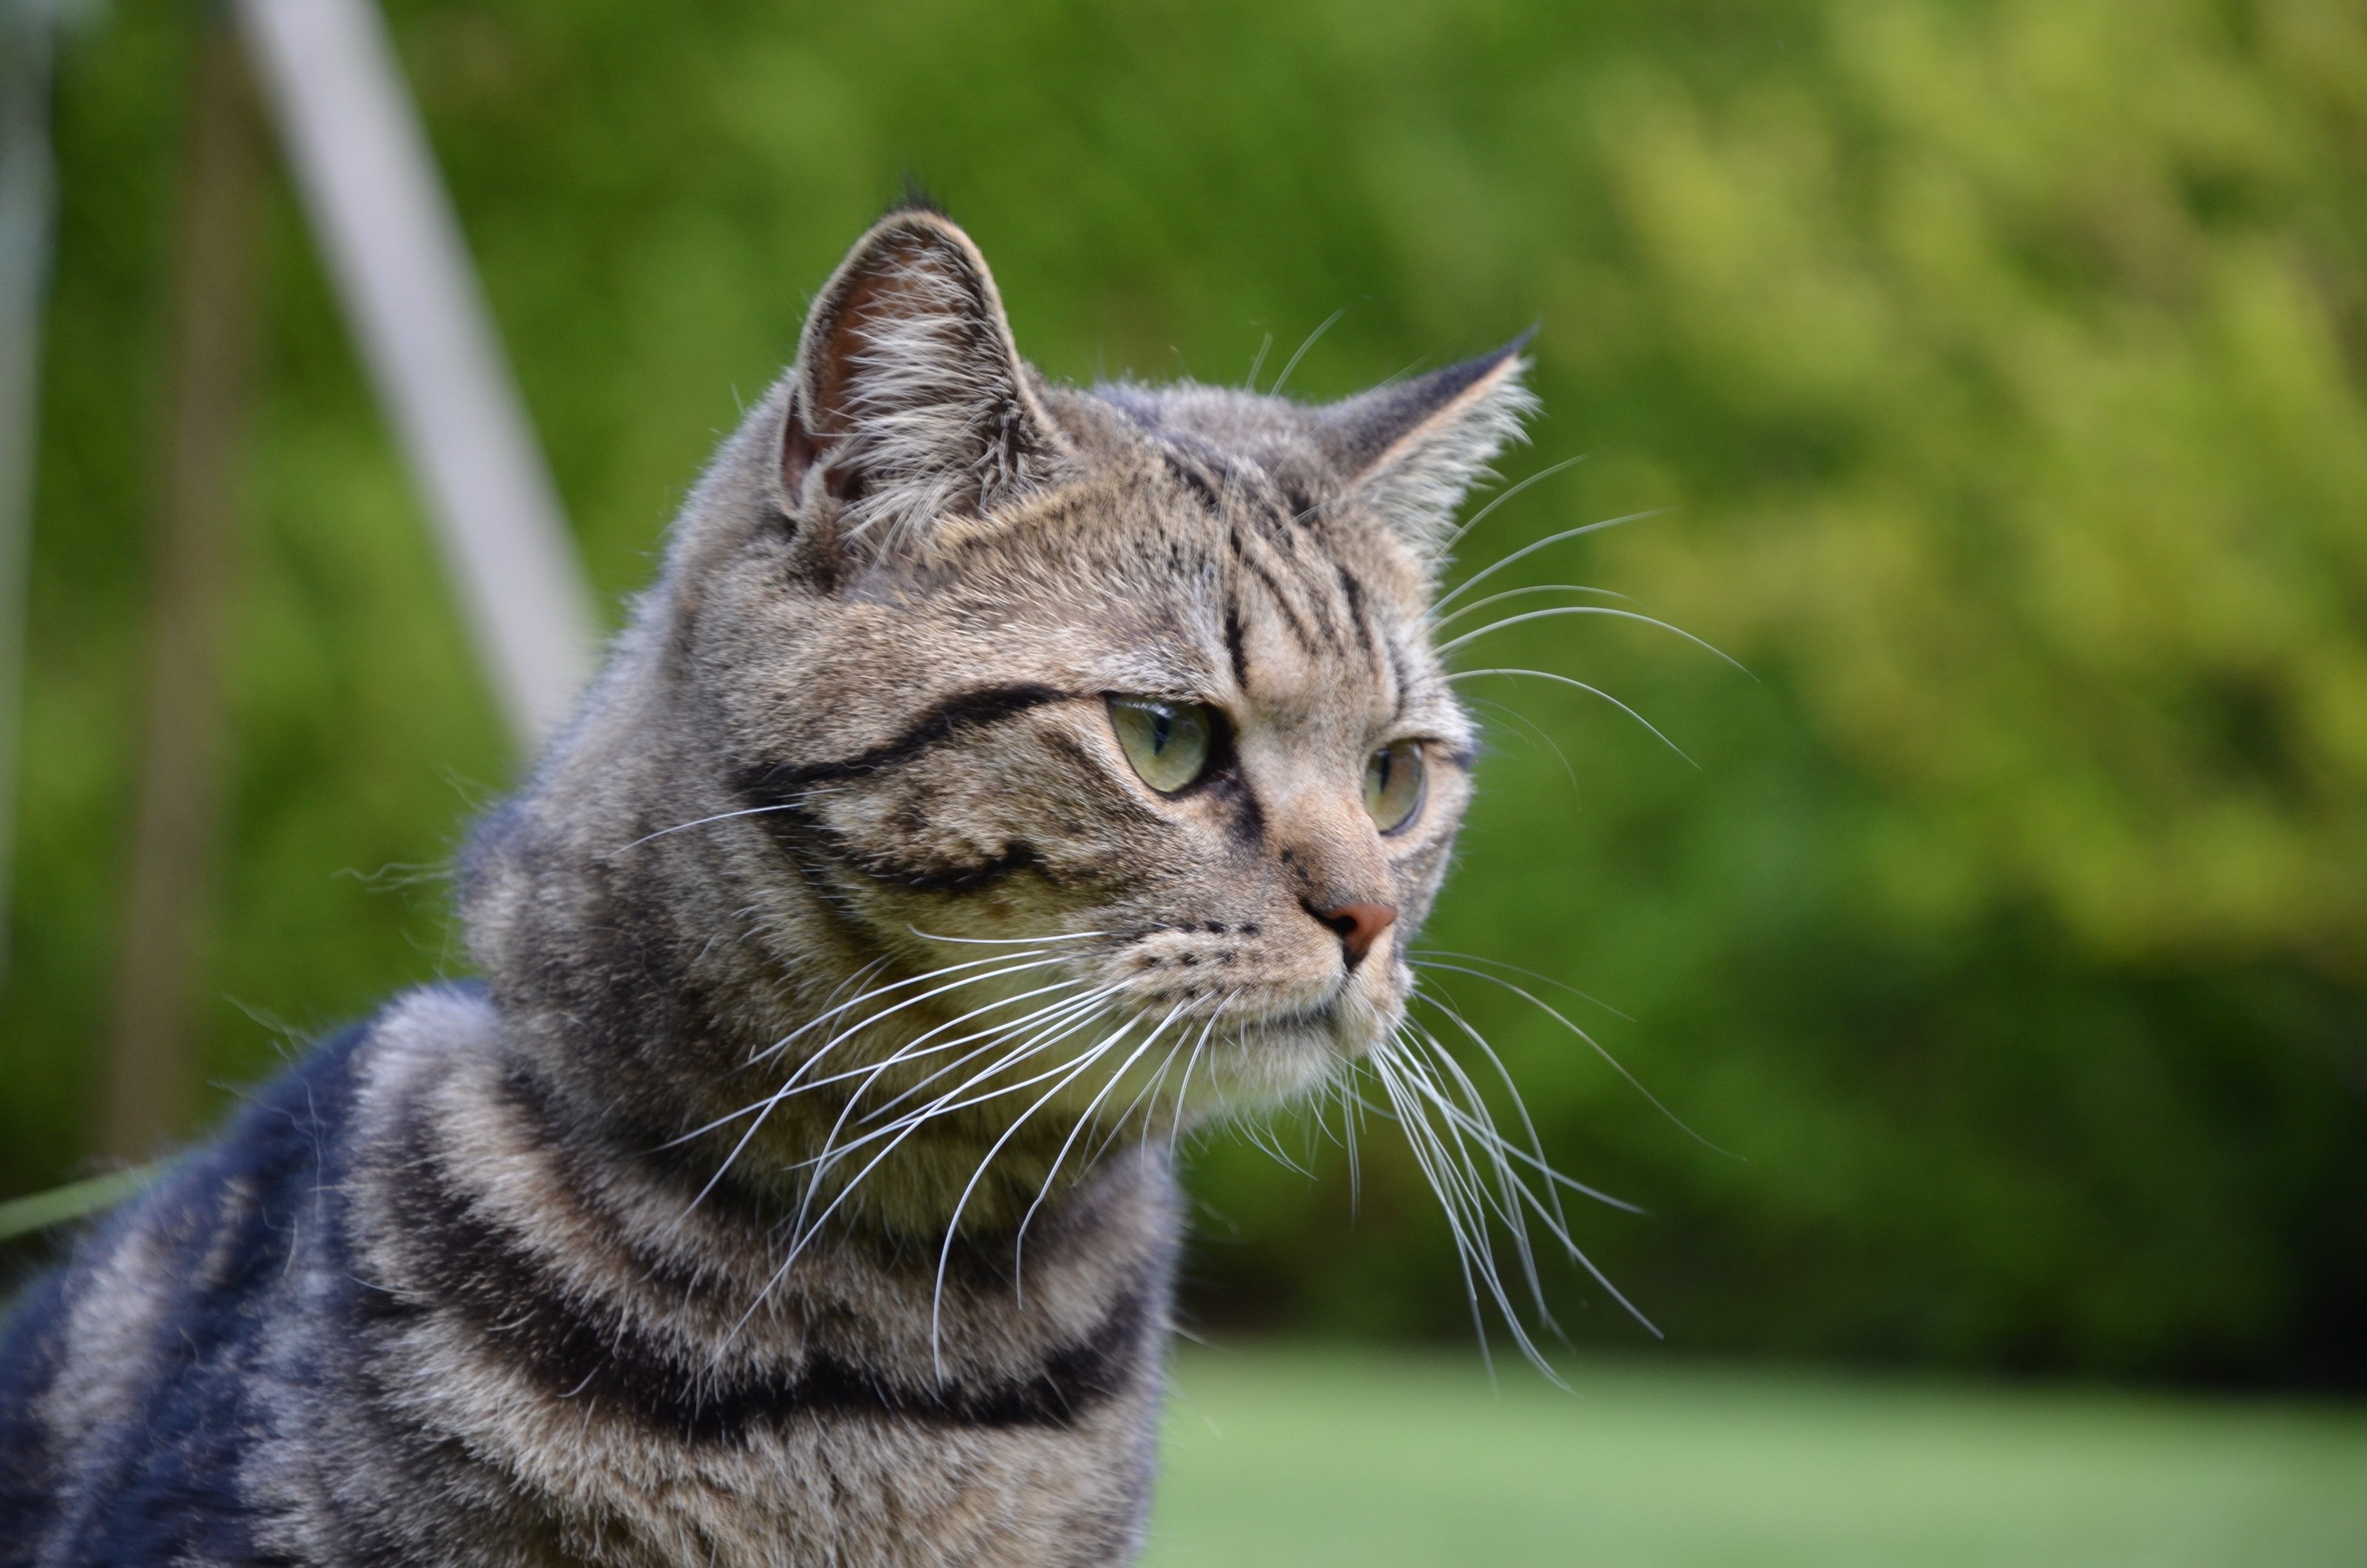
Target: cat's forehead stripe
{"points": [[1234, 651], [1267, 516], [1249, 563]]}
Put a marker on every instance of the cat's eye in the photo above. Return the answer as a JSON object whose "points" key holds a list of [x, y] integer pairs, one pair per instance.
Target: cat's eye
{"points": [[1393, 784], [1170, 744]]}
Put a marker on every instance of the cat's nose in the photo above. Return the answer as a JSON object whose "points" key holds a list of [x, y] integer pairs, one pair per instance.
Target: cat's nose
{"points": [[1359, 925]]}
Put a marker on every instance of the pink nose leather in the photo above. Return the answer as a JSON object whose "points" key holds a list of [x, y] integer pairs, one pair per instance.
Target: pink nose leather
{"points": [[1359, 925]]}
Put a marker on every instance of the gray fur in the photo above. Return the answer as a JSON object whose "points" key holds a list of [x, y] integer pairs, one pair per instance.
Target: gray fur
{"points": [[595, 1263]]}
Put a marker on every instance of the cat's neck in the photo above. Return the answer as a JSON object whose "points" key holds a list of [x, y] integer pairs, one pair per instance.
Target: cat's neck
{"points": [[468, 1171]]}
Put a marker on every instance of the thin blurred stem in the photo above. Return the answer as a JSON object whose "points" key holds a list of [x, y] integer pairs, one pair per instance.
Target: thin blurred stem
{"points": [[150, 1069], [28, 214]]}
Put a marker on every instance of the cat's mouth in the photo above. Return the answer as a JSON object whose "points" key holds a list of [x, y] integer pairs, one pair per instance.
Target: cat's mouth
{"points": [[1343, 1023], [1318, 1016]]}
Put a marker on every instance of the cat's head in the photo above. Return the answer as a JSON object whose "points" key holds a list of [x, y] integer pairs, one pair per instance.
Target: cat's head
{"points": [[1115, 711]]}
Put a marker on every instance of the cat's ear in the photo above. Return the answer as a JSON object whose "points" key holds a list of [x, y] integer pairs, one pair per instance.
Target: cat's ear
{"points": [[909, 402], [1412, 451]]}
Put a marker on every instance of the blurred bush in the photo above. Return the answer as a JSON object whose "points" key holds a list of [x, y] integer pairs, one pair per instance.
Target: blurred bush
{"points": [[2002, 363]]}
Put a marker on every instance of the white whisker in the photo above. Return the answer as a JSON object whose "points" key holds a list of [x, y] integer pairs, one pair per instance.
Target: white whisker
{"points": [[1570, 1246], [1183, 1093], [1596, 691], [1593, 1044], [1504, 1200], [1084, 1119], [1436, 621], [803, 1234], [832, 1152], [1005, 941], [952, 1101], [1533, 728], [1349, 1103], [1534, 1156], [1417, 955], [1477, 1173], [1312, 338], [1032, 961], [789, 805], [1539, 477], [1257, 361], [1052, 1015], [953, 1225], [871, 1071], [874, 994], [1454, 643], [762, 1109], [1528, 550], [1475, 1262]]}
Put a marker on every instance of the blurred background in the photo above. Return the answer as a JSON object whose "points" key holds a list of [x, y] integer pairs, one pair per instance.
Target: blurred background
{"points": [[2001, 369]]}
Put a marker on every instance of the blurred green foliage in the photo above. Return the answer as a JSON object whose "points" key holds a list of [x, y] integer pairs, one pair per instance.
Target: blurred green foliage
{"points": [[2001, 365]]}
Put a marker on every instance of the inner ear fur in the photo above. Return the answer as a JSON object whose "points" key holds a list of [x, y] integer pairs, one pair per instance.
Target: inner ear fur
{"points": [[909, 403]]}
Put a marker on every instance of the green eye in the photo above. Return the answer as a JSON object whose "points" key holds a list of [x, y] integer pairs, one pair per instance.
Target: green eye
{"points": [[1393, 784], [1169, 743]]}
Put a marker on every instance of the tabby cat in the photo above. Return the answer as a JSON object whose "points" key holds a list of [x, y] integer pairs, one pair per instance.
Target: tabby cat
{"points": [[1000, 781]]}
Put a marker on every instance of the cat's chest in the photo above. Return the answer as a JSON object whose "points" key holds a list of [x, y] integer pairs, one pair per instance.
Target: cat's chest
{"points": [[566, 1340], [856, 1488]]}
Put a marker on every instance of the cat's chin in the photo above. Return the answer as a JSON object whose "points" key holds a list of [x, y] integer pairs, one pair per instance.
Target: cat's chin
{"points": [[1269, 1059]]}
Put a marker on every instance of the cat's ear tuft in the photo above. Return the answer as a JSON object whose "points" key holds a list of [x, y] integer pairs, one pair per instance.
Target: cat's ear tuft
{"points": [[1412, 452], [909, 402]]}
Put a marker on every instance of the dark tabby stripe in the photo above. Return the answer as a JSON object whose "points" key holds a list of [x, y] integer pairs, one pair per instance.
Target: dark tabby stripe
{"points": [[804, 836], [1233, 649], [509, 1298], [949, 717], [1282, 601], [1192, 479], [1352, 594]]}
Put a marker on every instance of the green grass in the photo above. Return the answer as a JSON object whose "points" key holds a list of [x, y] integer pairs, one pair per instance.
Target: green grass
{"points": [[1313, 1457]]}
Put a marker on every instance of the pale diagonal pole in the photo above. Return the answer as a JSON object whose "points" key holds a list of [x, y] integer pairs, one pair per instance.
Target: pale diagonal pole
{"points": [[395, 253]]}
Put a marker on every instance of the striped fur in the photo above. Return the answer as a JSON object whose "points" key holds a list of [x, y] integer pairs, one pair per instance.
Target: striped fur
{"points": [[635, 1253]]}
